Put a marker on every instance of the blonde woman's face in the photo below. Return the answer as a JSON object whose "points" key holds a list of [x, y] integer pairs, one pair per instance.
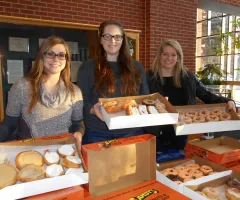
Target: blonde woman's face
{"points": [[168, 58], [54, 60]]}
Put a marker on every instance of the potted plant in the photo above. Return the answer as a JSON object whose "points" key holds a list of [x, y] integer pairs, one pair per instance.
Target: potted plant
{"points": [[210, 74]]}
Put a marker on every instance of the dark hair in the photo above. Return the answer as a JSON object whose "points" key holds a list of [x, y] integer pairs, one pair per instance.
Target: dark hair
{"points": [[37, 73], [130, 74]]}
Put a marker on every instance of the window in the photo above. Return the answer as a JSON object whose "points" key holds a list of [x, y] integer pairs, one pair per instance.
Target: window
{"points": [[210, 25]]}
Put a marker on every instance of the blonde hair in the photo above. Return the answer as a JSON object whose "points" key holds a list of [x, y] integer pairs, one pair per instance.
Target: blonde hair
{"points": [[179, 68], [37, 72]]}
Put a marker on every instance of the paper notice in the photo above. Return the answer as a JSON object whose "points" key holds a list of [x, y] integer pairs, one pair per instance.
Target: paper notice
{"points": [[74, 70], [14, 70]]}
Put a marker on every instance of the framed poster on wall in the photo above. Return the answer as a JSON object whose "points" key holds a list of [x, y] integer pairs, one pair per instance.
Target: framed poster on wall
{"points": [[18, 44]]}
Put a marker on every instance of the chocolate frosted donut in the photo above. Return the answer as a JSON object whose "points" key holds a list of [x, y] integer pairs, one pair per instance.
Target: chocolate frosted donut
{"points": [[233, 184]]}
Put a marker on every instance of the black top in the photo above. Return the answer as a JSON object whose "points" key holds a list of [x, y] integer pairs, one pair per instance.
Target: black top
{"points": [[174, 94], [86, 81]]}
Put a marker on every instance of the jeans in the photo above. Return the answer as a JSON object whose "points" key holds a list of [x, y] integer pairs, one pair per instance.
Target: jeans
{"points": [[93, 136]]}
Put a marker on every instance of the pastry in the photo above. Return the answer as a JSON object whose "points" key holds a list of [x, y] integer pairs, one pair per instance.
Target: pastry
{"points": [[28, 158], [54, 170], [132, 111], [211, 193], [31, 173], [233, 184], [76, 171], [51, 158], [142, 109], [66, 150], [8, 175], [148, 102], [206, 170], [71, 162], [232, 193], [152, 110]]}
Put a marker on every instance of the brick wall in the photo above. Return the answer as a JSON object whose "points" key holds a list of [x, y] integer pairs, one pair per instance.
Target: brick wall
{"points": [[159, 19]]}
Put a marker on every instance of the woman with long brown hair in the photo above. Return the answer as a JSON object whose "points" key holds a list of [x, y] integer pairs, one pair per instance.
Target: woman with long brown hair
{"points": [[45, 102], [112, 74]]}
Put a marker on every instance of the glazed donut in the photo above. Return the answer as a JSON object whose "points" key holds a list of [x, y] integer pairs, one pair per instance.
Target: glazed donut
{"points": [[110, 103], [233, 184], [170, 173], [191, 114], [197, 174], [201, 193], [225, 116], [148, 102], [204, 112], [211, 193], [206, 170], [192, 166], [212, 118], [198, 119], [216, 112], [232, 193], [185, 120], [183, 175]]}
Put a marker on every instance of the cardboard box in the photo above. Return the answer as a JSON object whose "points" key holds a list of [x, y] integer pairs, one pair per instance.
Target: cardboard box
{"points": [[220, 150], [147, 190], [196, 159], [219, 184], [119, 120], [120, 164], [9, 151], [207, 127], [72, 193]]}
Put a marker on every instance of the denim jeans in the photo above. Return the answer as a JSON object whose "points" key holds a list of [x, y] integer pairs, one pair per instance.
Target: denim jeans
{"points": [[93, 136]]}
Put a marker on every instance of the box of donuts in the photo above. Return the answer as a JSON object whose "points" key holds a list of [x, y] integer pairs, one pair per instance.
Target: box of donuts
{"points": [[120, 163], [175, 174], [39, 166], [223, 150], [137, 111], [205, 118], [222, 188]]}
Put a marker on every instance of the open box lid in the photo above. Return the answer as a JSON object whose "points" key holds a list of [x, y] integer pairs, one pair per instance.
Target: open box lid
{"points": [[127, 162]]}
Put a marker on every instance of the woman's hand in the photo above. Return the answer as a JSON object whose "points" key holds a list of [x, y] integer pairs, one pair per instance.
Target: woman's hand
{"points": [[95, 110], [78, 137], [231, 105]]}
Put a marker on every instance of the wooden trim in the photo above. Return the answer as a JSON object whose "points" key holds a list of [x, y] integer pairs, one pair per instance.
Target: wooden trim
{"points": [[230, 83], [1, 92]]}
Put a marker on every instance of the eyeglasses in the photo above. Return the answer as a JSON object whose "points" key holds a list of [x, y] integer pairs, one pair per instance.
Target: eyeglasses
{"points": [[52, 55], [109, 37]]}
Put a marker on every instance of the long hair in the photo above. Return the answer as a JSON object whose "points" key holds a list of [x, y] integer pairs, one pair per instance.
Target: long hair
{"points": [[179, 68], [130, 75], [37, 73]]}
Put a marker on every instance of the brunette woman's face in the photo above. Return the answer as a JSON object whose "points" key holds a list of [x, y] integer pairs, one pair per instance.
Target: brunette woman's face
{"points": [[168, 58], [54, 60], [111, 40]]}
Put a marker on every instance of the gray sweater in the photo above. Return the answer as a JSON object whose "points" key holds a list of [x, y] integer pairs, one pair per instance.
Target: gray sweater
{"points": [[86, 81], [43, 120]]}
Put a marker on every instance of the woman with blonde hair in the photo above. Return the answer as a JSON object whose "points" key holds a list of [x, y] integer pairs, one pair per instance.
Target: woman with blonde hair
{"points": [[45, 102], [113, 73], [169, 77]]}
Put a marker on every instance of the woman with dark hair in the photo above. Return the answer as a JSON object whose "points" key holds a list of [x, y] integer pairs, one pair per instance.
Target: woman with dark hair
{"points": [[112, 74], [169, 77], [45, 102]]}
